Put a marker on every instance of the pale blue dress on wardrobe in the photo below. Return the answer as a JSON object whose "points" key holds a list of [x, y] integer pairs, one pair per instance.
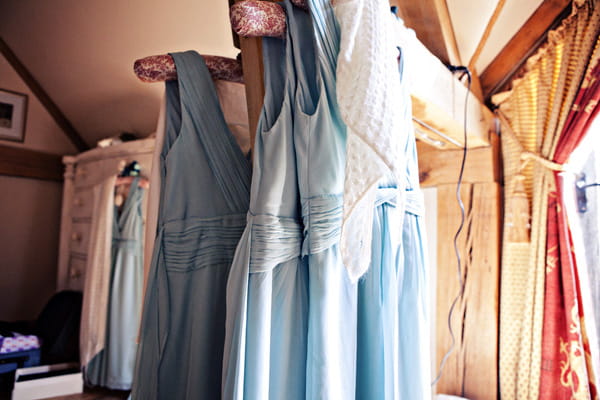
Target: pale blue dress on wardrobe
{"points": [[113, 366], [205, 182]]}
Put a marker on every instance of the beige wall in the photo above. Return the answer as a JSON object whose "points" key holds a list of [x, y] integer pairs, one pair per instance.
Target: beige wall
{"points": [[41, 132], [82, 52], [29, 215]]}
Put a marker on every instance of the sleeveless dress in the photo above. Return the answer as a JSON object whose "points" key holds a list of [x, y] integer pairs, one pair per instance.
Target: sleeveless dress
{"points": [[394, 336], [320, 143], [414, 373], [368, 340], [297, 326], [113, 366], [267, 305], [205, 181]]}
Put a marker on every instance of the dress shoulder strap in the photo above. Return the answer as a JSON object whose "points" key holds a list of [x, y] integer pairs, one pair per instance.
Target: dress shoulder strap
{"points": [[201, 115]]}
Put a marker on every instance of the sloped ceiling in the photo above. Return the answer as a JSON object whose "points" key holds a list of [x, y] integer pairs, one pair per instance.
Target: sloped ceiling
{"points": [[82, 52], [469, 20]]}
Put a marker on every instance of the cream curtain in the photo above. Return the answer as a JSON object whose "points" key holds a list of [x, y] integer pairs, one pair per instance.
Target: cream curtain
{"points": [[533, 116], [97, 277]]}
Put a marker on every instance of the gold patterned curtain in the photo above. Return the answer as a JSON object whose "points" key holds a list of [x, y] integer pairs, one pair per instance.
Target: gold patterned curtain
{"points": [[533, 116]]}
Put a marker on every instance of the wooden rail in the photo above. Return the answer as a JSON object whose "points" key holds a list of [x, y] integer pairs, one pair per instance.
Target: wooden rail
{"points": [[15, 161]]}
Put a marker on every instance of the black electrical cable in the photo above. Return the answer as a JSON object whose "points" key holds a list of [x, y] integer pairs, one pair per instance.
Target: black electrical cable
{"points": [[461, 283]]}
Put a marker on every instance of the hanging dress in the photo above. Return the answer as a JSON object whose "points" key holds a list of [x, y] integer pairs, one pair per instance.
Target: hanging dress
{"points": [[113, 366], [320, 143], [394, 336], [267, 305], [367, 340], [205, 181], [414, 374], [299, 327]]}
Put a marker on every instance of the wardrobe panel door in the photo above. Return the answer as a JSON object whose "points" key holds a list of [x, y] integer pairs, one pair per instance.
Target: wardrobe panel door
{"points": [[76, 272], [82, 207], [80, 237]]}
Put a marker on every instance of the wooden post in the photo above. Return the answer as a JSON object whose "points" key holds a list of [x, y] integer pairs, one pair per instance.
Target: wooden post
{"points": [[448, 287], [481, 299], [472, 368], [254, 80]]}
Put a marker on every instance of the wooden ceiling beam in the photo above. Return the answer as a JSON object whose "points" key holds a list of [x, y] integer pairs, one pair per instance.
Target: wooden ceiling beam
{"points": [[526, 41], [486, 34], [442, 167], [438, 103], [43, 97], [430, 19]]}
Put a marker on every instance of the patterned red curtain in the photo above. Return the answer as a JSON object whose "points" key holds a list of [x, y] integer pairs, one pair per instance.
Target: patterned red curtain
{"points": [[566, 362]]}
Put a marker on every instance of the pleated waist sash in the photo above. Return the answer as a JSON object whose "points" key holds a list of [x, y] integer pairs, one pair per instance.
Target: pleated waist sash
{"points": [[279, 239]]}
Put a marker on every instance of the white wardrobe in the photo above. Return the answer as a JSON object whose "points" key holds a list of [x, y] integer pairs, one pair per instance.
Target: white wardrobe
{"points": [[82, 173]]}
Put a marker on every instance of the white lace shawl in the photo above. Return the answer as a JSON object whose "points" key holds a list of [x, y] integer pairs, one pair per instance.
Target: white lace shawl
{"points": [[368, 93]]}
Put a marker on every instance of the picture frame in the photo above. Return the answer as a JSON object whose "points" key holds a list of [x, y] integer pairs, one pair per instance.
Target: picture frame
{"points": [[13, 114]]}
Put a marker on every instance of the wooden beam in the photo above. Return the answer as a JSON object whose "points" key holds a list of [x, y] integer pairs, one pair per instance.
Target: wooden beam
{"points": [[16, 161], [471, 371], [439, 167], [531, 35], [431, 21], [254, 80], [476, 85], [43, 97], [438, 102], [486, 33]]}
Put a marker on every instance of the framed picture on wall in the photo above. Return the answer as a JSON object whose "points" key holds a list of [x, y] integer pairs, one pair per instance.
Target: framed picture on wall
{"points": [[13, 111]]}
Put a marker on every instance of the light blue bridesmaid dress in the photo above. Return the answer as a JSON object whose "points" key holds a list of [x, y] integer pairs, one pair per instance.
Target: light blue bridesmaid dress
{"points": [[113, 366], [394, 337], [414, 373], [267, 304], [320, 142], [370, 341], [297, 328], [205, 183]]}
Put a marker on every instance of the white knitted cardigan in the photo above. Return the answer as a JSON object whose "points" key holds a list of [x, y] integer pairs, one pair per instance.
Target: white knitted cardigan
{"points": [[368, 94]]}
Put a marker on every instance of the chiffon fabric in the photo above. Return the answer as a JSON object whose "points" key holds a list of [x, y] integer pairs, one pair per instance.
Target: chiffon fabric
{"points": [[205, 183], [113, 366], [267, 296], [297, 326], [368, 340]]}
